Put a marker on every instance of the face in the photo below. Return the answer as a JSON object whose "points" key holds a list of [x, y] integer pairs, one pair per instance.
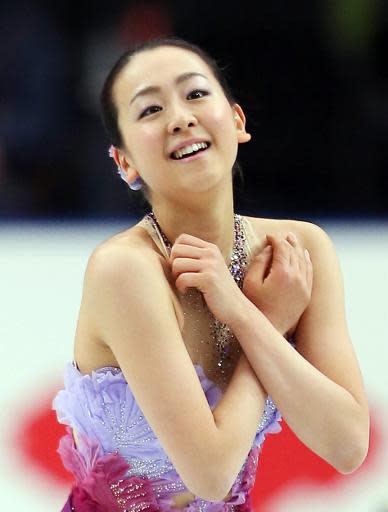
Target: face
{"points": [[180, 133]]}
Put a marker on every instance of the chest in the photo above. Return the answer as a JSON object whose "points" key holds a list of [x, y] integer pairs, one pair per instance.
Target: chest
{"points": [[208, 343]]}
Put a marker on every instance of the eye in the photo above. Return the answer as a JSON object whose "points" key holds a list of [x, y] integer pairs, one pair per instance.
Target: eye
{"points": [[150, 110], [196, 94]]}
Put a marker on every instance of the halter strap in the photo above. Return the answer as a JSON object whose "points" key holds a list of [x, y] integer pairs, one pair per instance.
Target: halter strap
{"points": [[251, 237]]}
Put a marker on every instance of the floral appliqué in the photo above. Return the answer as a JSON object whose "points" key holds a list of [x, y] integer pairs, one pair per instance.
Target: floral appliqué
{"points": [[101, 482]]}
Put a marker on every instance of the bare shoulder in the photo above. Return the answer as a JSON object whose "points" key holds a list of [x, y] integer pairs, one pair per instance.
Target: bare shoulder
{"points": [[121, 271], [123, 252], [124, 262], [310, 235]]}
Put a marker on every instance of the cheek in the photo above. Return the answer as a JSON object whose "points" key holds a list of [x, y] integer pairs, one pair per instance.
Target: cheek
{"points": [[224, 129], [150, 132], [220, 116], [146, 143], [148, 136], [221, 119]]}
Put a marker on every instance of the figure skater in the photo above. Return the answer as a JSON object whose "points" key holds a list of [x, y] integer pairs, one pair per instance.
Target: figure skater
{"points": [[199, 328]]}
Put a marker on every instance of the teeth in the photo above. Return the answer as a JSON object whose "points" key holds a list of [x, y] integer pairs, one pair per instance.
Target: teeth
{"points": [[190, 149]]}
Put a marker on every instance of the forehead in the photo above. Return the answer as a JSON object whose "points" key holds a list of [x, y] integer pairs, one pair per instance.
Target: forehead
{"points": [[160, 66]]}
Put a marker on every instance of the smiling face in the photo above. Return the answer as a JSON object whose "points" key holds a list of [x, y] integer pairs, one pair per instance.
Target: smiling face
{"points": [[180, 133]]}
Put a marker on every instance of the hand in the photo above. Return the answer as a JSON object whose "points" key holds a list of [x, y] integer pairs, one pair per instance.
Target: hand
{"points": [[279, 281], [196, 263]]}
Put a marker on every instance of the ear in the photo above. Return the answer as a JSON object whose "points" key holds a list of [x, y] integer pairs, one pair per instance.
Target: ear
{"points": [[239, 117], [127, 172]]}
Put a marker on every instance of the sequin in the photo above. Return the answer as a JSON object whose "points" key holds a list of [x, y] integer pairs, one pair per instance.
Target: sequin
{"points": [[149, 467], [269, 410]]}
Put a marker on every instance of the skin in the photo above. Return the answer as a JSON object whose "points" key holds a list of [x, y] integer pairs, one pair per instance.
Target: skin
{"points": [[293, 286], [201, 191]]}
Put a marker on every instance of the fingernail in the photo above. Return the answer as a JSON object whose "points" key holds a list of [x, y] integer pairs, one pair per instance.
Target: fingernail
{"points": [[307, 254], [292, 235]]}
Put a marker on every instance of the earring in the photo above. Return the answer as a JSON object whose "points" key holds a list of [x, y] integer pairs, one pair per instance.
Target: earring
{"points": [[137, 184], [122, 174]]}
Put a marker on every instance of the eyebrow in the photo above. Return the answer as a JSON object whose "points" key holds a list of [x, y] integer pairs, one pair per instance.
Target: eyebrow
{"points": [[154, 88]]}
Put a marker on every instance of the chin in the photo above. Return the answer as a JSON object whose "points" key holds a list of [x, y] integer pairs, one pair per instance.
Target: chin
{"points": [[207, 184]]}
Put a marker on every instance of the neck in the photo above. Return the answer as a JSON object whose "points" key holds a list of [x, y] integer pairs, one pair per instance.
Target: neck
{"points": [[211, 219]]}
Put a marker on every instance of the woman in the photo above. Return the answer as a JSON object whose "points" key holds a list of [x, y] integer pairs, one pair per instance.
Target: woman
{"points": [[198, 327]]}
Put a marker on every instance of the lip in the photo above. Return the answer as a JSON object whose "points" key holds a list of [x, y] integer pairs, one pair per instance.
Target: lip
{"points": [[187, 143]]}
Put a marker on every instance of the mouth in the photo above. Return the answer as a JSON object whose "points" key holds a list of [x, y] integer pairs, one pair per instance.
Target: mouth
{"points": [[190, 150]]}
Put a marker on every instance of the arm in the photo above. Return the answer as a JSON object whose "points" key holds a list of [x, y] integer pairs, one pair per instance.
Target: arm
{"points": [[237, 416], [318, 387], [129, 305]]}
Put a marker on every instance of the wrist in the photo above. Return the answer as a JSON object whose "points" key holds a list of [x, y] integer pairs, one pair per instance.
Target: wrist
{"points": [[242, 313], [277, 324], [245, 311]]}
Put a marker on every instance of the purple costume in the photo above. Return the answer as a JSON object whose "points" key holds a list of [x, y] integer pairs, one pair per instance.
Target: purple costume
{"points": [[118, 462]]}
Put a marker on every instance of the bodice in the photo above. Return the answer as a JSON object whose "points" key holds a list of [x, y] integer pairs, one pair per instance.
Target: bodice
{"points": [[101, 409]]}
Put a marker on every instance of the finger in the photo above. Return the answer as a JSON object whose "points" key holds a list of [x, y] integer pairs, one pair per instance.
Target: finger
{"points": [[301, 261], [184, 250], [182, 265], [292, 239], [187, 280], [281, 250], [187, 239], [296, 250], [309, 269], [299, 252], [261, 263], [294, 260]]}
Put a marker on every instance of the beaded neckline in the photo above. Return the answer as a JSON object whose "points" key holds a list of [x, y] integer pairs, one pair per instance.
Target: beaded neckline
{"points": [[239, 258], [222, 335]]}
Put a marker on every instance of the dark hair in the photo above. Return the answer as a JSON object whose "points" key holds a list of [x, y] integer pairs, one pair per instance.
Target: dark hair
{"points": [[108, 106]]}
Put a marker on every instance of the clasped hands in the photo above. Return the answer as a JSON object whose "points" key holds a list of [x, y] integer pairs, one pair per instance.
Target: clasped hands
{"points": [[278, 279]]}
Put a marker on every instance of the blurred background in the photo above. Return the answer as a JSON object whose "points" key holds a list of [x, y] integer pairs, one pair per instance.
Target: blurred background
{"points": [[312, 77]]}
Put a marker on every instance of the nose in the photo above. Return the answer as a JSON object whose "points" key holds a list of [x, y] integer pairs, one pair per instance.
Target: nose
{"points": [[180, 120]]}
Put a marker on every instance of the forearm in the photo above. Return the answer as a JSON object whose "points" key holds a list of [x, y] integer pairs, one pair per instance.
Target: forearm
{"points": [[323, 415], [237, 416]]}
